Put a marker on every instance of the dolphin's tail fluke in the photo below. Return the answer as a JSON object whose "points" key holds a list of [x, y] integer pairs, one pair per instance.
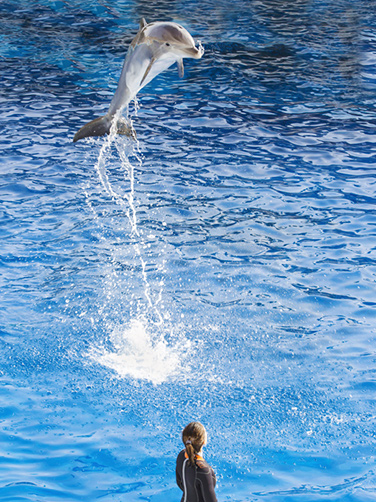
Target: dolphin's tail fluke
{"points": [[97, 127], [102, 126]]}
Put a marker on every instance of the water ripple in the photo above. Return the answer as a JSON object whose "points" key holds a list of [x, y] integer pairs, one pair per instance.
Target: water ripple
{"points": [[222, 267]]}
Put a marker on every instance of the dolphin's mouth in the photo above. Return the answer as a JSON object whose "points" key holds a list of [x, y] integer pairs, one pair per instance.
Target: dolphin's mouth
{"points": [[195, 52]]}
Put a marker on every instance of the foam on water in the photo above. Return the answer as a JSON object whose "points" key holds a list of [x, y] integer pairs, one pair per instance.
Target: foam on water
{"points": [[138, 352]]}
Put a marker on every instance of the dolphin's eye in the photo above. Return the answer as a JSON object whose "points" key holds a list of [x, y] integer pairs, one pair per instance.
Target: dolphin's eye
{"points": [[168, 45]]}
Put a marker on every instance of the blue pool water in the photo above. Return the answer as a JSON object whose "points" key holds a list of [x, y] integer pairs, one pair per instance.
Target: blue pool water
{"points": [[222, 269]]}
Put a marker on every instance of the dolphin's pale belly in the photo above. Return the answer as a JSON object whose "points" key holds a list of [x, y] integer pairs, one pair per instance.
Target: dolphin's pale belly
{"points": [[159, 66]]}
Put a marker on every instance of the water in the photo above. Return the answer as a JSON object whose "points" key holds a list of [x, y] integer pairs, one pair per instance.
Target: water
{"points": [[220, 269]]}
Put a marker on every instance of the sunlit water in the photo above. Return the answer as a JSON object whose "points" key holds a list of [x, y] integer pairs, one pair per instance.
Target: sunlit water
{"points": [[221, 268]]}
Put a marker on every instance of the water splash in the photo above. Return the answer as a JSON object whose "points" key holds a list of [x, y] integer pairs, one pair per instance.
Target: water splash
{"points": [[126, 201], [138, 353], [136, 333]]}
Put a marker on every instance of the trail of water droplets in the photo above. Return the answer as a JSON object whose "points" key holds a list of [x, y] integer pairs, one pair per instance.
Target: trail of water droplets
{"points": [[126, 201], [138, 348]]}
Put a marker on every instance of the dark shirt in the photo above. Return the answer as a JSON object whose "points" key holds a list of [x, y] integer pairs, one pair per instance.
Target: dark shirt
{"points": [[197, 483]]}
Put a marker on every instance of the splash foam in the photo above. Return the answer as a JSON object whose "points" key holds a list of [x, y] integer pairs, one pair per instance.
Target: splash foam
{"points": [[136, 353]]}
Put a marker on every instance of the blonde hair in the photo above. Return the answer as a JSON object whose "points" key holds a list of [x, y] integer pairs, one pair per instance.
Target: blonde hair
{"points": [[194, 436]]}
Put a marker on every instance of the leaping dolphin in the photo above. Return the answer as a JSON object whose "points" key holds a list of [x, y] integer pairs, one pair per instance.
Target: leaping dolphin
{"points": [[155, 48]]}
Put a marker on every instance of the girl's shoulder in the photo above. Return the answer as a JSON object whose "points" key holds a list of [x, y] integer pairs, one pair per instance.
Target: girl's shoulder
{"points": [[181, 455], [202, 464]]}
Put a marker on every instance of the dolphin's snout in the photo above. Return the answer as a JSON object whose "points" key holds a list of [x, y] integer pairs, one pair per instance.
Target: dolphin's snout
{"points": [[194, 52]]}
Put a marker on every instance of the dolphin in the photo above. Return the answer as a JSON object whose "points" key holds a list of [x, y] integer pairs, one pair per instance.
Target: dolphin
{"points": [[154, 49]]}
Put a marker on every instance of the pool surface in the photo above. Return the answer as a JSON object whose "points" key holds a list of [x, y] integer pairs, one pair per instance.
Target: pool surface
{"points": [[222, 268]]}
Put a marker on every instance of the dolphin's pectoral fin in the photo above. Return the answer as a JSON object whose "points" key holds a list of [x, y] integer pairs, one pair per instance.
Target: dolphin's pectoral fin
{"points": [[180, 67], [157, 54], [143, 23], [152, 61]]}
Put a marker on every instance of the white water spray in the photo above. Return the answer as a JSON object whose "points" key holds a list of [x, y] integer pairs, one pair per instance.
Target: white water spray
{"points": [[136, 348], [126, 201], [136, 352]]}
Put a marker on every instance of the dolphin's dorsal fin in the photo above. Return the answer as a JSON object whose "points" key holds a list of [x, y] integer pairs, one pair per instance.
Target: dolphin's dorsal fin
{"points": [[180, 67], [140, 36]]}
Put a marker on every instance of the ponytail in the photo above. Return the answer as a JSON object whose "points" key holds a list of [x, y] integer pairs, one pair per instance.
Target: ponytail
{"points": [[191, 453], [194, 438]]}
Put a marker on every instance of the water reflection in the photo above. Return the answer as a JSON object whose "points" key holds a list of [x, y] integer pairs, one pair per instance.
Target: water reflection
{"points": [[296, 44], [155, 10], [259, 234]]}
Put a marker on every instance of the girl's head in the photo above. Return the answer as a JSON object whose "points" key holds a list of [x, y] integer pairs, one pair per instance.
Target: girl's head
{"points": [[194, 438]]}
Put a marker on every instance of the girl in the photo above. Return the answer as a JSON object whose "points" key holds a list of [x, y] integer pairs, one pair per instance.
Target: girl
{"points": [[193, 475]]}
